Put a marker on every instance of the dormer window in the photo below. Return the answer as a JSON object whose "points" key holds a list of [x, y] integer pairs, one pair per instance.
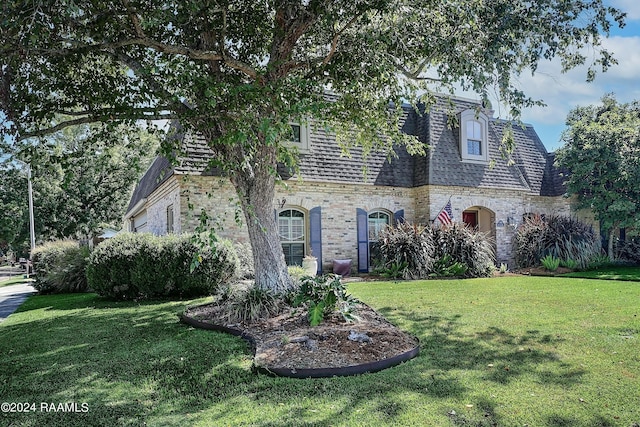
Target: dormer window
{"points": [[474, 137], [300, 137]]}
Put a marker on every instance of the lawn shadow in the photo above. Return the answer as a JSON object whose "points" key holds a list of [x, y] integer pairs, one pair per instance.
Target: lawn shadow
{"points": [[119, 357], [136, 362]]}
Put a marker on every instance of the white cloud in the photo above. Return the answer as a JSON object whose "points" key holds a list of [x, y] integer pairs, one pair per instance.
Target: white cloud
{"points": [[632, 7]]}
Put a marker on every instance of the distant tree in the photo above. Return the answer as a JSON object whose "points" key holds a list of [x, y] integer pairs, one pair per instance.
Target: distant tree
{"points": [[239, 72], [602, 155], [14, 218], [82, 178]]}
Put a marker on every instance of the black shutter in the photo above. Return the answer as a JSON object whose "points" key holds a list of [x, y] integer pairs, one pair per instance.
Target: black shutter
{"points": [[315, 234], [362, 225]]}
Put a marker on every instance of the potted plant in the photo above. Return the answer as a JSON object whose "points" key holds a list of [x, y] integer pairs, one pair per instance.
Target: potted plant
{"points": [[310, 265]]}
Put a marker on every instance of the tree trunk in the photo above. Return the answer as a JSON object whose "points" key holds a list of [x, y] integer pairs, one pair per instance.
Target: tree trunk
{"points": [[610, 245], [255, 186]]}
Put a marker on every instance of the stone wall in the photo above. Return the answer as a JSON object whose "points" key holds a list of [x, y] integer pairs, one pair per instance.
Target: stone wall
{"points": [[337, 201], [340, 201]]}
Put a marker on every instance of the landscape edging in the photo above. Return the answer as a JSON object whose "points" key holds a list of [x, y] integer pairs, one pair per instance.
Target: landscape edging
{"points": [[306, 372]]}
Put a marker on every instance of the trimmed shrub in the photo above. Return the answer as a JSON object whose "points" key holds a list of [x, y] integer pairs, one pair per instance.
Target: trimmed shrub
{"points": [[60, 267], [562, 237], [143, 266]]}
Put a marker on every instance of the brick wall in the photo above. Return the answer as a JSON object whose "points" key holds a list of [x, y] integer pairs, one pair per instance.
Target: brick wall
{"points": [[340, 201], [168, 194]]}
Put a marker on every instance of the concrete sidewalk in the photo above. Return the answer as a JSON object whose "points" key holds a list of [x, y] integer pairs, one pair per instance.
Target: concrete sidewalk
{"points": [[11, 297]]}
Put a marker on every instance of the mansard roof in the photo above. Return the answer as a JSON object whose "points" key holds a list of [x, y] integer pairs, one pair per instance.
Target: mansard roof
{"points": [[531, 168]]}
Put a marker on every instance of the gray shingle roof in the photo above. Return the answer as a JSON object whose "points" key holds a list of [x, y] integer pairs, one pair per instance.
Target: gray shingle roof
{"points": [[533, 171], [159, 171]]}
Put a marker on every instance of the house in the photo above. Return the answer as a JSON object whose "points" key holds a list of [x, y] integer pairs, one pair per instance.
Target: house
{"points": [[335, 212]]}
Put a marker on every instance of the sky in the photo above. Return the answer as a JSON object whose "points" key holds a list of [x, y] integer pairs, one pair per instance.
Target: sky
{"points": [[563, 92]]}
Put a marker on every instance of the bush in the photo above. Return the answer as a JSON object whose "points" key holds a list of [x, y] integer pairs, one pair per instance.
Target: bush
{"points": [[559, 236], [406, 250], [245, 259], [447, 267], [142, 266], [250, 305], [550, 263], [628, 250], [60, 267], [464, 247], [324, 296], [419, 252]]}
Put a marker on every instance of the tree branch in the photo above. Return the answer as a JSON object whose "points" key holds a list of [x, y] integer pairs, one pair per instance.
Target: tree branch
{"points": [[336, 37], [91, 119]]}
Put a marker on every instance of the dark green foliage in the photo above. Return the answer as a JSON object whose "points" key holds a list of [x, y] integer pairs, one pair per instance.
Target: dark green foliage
{"points": [[395, 270], [324, 296], [60, 267], [466, 247], [563, 237], [407, 251], [628, 250], [447, 267], [419, 252], [135, 266]]}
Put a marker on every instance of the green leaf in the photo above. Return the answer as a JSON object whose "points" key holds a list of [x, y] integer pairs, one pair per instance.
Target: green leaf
{"points": [[329, 301], [316, 313]]}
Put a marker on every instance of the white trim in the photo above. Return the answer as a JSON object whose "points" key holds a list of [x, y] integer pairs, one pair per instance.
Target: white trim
{"points": [[303, 145], [472, 115], [136, 209]]}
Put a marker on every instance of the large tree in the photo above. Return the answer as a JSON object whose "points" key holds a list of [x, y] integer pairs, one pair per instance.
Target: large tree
{"points": [[82, 180], [238, 72], [601, 152]]}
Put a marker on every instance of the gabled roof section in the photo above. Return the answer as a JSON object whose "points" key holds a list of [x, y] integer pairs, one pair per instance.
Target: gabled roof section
{"points": [[444, 165], [159, 171], [553, 179]]}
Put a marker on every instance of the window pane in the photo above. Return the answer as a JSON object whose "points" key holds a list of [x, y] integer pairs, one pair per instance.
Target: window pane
{"points": [[474, 130], [296, 231], [293, 253], [377, 222], [291, 229], [474, 147], [296, 134]]}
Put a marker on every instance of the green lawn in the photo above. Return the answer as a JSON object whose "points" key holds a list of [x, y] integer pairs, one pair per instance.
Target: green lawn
{"points": [[14, 281], [615, 272], [508, 351]]}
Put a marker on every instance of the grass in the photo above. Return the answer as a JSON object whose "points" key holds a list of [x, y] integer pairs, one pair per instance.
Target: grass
{"points": [[508, 351], [613, 272], [14, 281]]}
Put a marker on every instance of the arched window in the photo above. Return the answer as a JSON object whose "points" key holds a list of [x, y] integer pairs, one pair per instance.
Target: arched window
{"points": [[291, 227], [377, 221], [474, 137]]}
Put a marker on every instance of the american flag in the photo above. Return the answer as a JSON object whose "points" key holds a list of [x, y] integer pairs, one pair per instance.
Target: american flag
{"points": [[446, 215]]}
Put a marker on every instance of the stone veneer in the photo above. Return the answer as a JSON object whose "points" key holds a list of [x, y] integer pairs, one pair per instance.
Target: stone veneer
{"points": [[339, 203]]}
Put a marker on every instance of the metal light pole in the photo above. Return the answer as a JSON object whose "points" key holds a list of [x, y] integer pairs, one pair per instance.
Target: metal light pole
{"points": [[32, 229]]}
